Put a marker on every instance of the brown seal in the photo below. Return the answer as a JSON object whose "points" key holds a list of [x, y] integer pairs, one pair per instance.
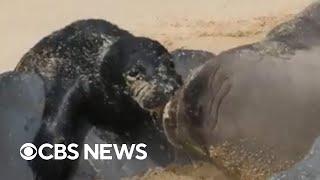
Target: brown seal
{"points": [[256, 106]]}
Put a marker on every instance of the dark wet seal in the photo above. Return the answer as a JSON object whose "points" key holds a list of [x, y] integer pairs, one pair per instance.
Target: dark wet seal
{"points": [[21, 105], [112, 169], [98, 74], [187, 60], [253, 108]]}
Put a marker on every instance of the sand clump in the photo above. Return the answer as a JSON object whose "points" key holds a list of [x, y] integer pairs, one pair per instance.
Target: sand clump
{"points": [[197, 171], [245, 163], [228, 161]]}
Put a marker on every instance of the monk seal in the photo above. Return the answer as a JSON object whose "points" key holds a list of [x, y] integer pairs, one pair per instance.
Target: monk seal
{"points": [[301, 31], [255, 106], [94, 73], [186, 60], [21, 106]]}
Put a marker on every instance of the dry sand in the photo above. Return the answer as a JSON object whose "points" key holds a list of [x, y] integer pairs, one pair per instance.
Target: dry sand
{"points": [[213, 25]]}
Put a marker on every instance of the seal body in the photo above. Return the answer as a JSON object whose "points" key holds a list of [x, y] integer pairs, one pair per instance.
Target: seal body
{"points": [[97, 74], [257, 105], [21, 106], [187, 60], [63, 56]]}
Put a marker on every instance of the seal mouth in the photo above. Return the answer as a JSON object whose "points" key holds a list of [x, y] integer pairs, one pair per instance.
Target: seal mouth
{"points": [[152, 95], [177, 134], [150, 98]]}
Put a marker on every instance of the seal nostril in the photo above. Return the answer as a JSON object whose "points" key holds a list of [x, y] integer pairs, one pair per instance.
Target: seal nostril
{"points": [[179, 80]]}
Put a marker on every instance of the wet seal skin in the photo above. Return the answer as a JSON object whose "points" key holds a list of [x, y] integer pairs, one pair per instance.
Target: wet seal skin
{"points": [[98, 74], [254, 108], [187, 60], [21, 106]]}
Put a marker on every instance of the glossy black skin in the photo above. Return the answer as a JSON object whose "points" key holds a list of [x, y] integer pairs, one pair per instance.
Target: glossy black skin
{"points": [[86, 84]]}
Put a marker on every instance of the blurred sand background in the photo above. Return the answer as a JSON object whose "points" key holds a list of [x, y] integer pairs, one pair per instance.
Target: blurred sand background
{"points": [[213, 25]]}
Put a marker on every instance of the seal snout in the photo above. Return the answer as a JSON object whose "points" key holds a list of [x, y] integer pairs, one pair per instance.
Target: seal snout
{"points": [[153, 97], [156, 93]]}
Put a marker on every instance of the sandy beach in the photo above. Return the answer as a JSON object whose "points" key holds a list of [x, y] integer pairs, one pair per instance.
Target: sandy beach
{"points": [[213, 25]]}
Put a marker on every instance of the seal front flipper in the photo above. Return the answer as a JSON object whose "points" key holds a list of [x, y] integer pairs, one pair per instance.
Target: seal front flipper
{"points": [[69, 125], [21, 106]]}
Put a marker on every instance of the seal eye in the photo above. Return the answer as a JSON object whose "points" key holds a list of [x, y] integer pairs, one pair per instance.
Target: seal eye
{"points": [[133, 73], [136, 71]]}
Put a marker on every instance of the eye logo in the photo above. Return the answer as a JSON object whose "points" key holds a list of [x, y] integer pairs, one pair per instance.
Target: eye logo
{"points": [[28, 151]]}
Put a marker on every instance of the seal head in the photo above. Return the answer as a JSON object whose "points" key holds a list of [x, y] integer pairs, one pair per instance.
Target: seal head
{"points": [[146, 70]]}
